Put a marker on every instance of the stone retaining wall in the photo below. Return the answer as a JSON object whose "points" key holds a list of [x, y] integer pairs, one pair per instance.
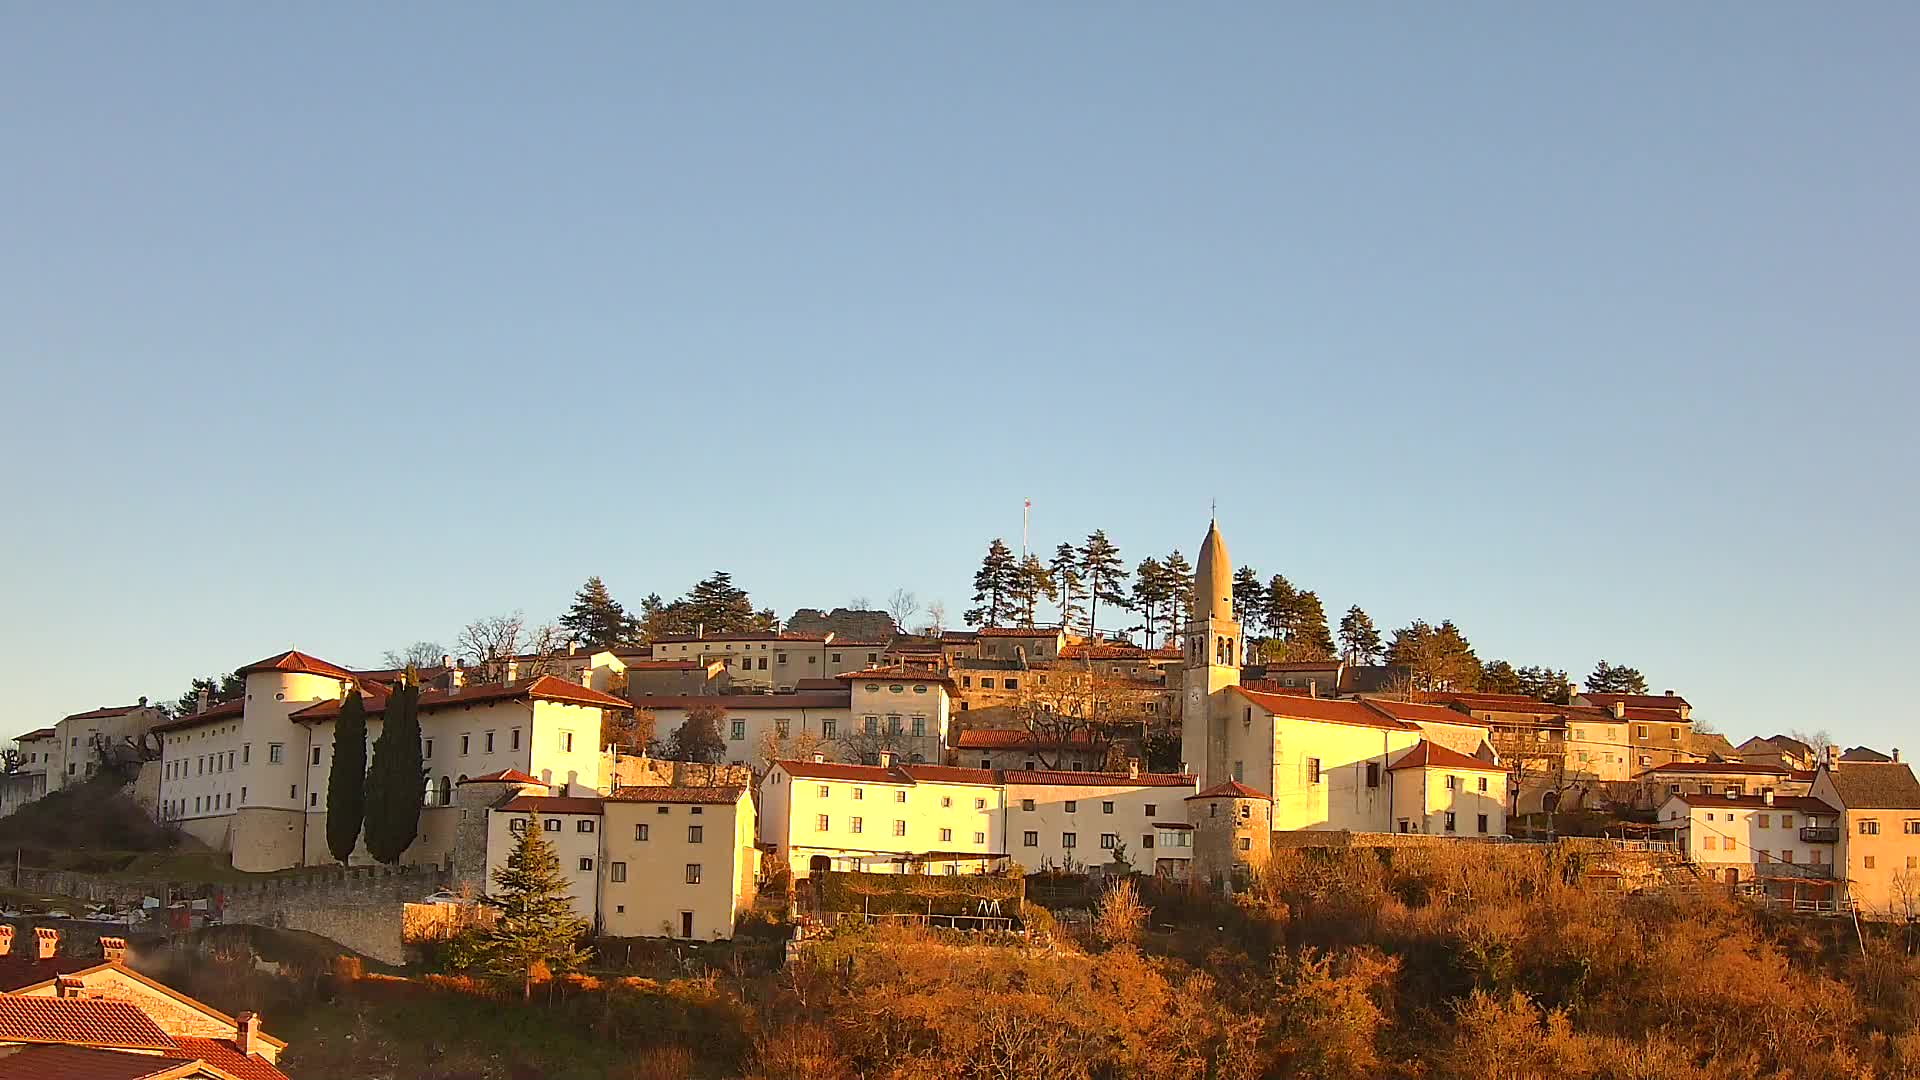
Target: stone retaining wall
{"points": [[359, 907]]}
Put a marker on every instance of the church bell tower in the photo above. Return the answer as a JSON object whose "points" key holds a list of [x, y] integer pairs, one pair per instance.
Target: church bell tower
{"points": [[1212, 662]]}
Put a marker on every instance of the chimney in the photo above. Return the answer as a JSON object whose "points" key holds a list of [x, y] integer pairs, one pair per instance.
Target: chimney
{"points": [[1896, 753], [114, 949], [6, 939], [1573, 691], [700, 630], [1733, 793], [886, 759], [573, 646], [1767, 796], [200, 703], [47, 940], [1619, 710], [143, 701], [1313, 688], [457, 678], [69, 986], [446, 661], [586, 677], [1833, 757], [1670, 693], [246, 1031], [513, 670], [1133, 768], [819, 759]]}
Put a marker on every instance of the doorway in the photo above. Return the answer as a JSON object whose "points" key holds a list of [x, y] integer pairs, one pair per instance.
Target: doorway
{"points": [[686, 924]]}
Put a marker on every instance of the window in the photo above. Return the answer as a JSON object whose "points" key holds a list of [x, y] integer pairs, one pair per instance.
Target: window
{"points": [[246, 753], [1239, 771], [696, 833], [640, 831], [739, 730], [1869, 827], [900, 796], [986, 683], [779, 658], [316, 755], [1910, 827], [1786, 821], [1452, 782], [1068, 840], [857, 825], [820, 823], [566, 742], [1646, 760], [552, 824], [276, 753], [946, 836], [1106, 808], [489, 738], [893, 724], [1643, 731], [781, 727], [920, 726], [1373, 774], [426, 749], [513, 739], [1246, 843], [1313, 770], [466, 742], [871, 724], [1673, 733], [1706, 843], [979, 804], [979, 838], [1013, 684], [663, 809], [829, 728], [1073, 806], [584, 825], [1146, 841], [1450, 819], [1866, 862], [824, 790], [1109, 841], [1030, 839], [1766, 821], [1786, 855], [616, 872], [586, 863], [1026, 804], [966, 681], [693, 873], [1483, 783], [946, 801], [899, 827], [763, 662]]}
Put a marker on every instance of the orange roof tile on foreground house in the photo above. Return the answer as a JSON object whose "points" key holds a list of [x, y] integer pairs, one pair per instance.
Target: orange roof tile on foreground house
{"points": [[552, 804], [699, 796], [79, 1022], [1414, 712], [1431, 755], [40, 733], [54, 1061]]}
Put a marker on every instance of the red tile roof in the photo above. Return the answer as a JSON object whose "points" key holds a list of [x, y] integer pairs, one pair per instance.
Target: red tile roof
{"points": [[1661, 716], [664, 665], [551, 804], [897, 673], [17, 972], [1110, 652], [79, 1022], [42, 733], [224, 1055], [949, 774], [1233, 789], [1800, 803], [1100, 779], [1668, 702], [837, 699], [544, 688], [834, 770], [1728, 768], [1431, 755], [226, 710], [993, 739], [504, 776], [1019, 631], [59, 1062], [296, 661], [1414, 712], [710, 796], [1325, 710], [105, 712]]}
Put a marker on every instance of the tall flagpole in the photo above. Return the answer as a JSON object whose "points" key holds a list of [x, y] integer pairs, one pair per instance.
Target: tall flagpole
{"points": [[1026, 518]]}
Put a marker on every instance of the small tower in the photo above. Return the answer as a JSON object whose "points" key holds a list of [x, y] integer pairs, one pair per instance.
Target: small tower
{"points": [[1212, 661], [1232, 834]]}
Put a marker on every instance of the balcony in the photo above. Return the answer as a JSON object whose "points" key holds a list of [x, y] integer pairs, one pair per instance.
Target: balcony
{"points": [[1819, 834]]}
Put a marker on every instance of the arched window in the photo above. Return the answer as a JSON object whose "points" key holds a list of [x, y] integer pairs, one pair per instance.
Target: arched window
{"points": [[1229, 652], [446, 791]]}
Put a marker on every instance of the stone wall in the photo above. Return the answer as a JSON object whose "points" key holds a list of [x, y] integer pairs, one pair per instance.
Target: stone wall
{"points": [[99, 889], [358, 907], [629, 771]]}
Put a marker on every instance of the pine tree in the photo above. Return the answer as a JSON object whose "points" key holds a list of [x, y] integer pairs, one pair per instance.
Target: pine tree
{"points": [[1309, 639], [1608, 679], [538, 927], [1065, 571], [1180, 580], [994, 587], [1545, 683], [1249, 599], [1499, 677], [1105, 575], [1437, 657], [1359, 637], [397, 778], [596, 620], [1152, 592], [721, 606], [347, 779], [1280, 613], [1031, 584]]}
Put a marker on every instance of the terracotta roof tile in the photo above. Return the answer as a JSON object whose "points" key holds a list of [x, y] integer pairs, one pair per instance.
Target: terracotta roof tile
{"points": [[949, 774], [709, 796], [79, 1022], [897, 673], [42, 733], [1668, 702], [1716, 768], [18, 972], [59, 1062], [544, 688], [1876, 785], [293, 660], [222, 1054], [105, 712], [664, 665], [1800, 803], [1230, 789], [1111, 652], [1325, 710], [226, 710], [990, 739], [1096, 779], [1414, 712], [837, 699], [551, 804], [504, 776], [1431, 755], [834, 770], [1019, 631]]}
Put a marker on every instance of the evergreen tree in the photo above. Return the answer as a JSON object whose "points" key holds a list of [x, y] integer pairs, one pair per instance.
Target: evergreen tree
{"points": [[995, 586], [1359, 637], [1065, 571], [347, 779], [1545, 683], [596, 620], [1309, 638], [1279, 613], [220, 689], [1031, 584], [537, 927], [1105, 575], [721, 606], [1152, 593], [1437, 657], [397, 779], [1608, 679], [1499, 677], [1249, 599], [698, 736], [1180, 580]]}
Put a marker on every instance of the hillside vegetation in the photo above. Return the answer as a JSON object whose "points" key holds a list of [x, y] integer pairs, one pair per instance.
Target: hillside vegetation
{"points": [[96, 817]]}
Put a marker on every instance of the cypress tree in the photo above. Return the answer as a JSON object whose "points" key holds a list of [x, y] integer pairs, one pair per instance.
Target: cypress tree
{"points": [[398, 777], [347, 782], [537, 925]]}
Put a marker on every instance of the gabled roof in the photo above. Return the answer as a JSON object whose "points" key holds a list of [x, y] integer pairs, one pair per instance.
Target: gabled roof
{"points": [[226, 710], [504, 776], [709, 796], [834, 770], [225, 1056], [1230, 789], [897, 673], [40, 733], [826, 699], [105, 712], [994, 739], [665, 665], [1019, 631], [1667, 702], [1432, 755], [215, 1015], [79, 1022], [1876, 785], [949, 774], [17, 971], [1324, 710], [1114, 651], [293, 660], [1414, 712], [55, 1061], [544, 688], [1864, 753], [1716, 768], [1802, 803], [1096, 779], [550, 804]]}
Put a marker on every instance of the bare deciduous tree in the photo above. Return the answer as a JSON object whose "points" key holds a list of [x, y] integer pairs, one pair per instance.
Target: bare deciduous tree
{"points": [[419, 654], [903, 606], [494, 644], [1077, 704]]}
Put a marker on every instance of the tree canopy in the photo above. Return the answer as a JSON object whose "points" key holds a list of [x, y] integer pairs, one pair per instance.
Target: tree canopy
{"points": [[996, 587], [1104, 574], [598, 621], [347, 777], [397, 778], [1609, 679], [1437, 657], [698, 737], [538, 927], [1359, 638]]}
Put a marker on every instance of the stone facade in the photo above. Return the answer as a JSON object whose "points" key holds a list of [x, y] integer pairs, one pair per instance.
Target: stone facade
{"points": [[359, 907]]}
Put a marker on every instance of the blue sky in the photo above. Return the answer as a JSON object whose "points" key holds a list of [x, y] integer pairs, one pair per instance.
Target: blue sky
{"points": [[1591, 330]]}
